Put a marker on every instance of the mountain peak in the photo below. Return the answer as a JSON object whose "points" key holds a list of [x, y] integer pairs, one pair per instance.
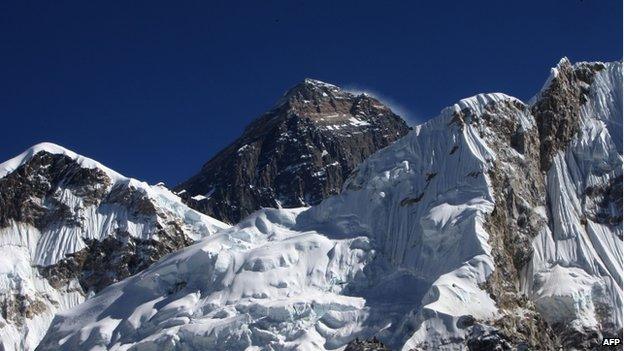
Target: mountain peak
{"points": [[564, 61], [326, 103], [296, 154], [313, 90], [557, 107], [317, 83], [11, 165]]}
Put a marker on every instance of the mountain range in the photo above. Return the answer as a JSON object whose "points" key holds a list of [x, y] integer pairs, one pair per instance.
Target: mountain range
{"points": [[330, 224]]}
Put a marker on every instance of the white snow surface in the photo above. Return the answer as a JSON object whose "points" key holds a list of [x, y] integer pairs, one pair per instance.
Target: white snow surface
{"points": [[399, 254], [23, 247]]}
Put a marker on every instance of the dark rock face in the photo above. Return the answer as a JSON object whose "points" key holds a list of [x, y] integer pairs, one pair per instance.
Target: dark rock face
{"points": [[490, 340], [297, 154], [366, 345], [116, 257], [22, 191], [557, 108], [31, 195], [585, 338], [604, 203], [16, 307], [512, 226]]}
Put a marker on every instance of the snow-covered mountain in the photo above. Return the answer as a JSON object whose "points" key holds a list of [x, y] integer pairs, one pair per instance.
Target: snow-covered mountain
{"points": [[296, 154], [69, 227], [497, 224]]}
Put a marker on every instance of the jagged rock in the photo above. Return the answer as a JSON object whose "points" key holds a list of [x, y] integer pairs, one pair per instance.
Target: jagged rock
{"points": [[508, 127], [603, 202], [296, 154], [487, 339], [366, 345], [22, 192], [557, 107], [17, 308]]}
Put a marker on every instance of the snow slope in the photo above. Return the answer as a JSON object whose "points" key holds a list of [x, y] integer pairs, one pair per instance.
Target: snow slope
{"points": [[260, 283], [31, 296], [454, 235]]}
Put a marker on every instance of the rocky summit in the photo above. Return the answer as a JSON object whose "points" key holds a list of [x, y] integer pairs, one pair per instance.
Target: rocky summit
{"points": [[296, 154]]}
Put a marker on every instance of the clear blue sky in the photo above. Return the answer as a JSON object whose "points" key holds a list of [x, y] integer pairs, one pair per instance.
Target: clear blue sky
{"points": [[154, 89]]}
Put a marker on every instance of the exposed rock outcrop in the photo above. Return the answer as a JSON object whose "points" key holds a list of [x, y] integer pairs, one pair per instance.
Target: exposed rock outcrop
{"points": [[557, 107], [509, 128], [372, 344]]}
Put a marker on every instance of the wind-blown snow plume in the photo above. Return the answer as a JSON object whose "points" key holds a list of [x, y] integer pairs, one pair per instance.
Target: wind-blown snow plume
{"points": [[407, 114]]}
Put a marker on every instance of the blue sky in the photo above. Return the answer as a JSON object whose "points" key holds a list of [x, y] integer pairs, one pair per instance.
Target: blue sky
{"points": [[154, 89]]}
